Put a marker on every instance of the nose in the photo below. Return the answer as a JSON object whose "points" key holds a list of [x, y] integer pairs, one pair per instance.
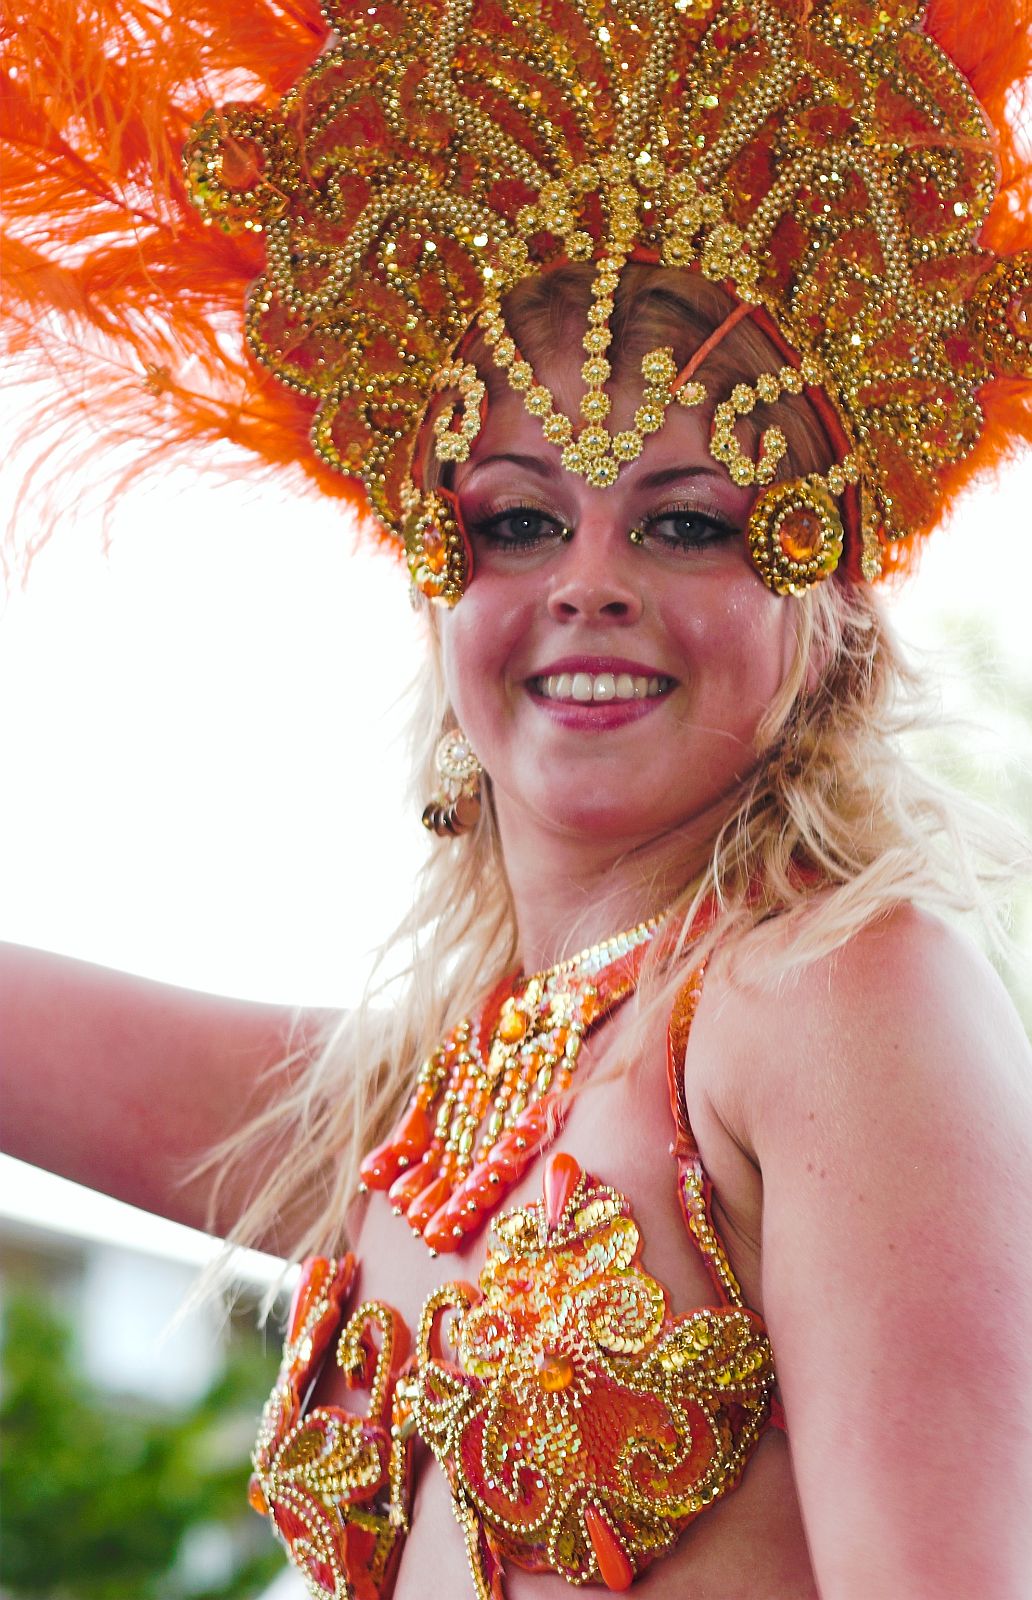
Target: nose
{"points": [[595, 578]]}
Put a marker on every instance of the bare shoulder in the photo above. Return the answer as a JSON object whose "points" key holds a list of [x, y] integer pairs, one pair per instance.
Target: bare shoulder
{"points": [[883, 1097], [906, 1018]]}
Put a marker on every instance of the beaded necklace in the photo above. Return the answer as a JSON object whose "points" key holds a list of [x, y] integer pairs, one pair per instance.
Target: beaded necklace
{"points": [[489, 1098]]}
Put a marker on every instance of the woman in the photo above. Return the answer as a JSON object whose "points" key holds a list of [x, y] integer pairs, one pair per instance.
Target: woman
{"points": [[714, 1275]]}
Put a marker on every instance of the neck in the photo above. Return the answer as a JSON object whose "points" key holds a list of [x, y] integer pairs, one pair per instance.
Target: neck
{"points": [[571, 891]]}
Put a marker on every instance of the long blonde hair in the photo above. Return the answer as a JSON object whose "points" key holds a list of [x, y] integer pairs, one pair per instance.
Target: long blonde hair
{"points": [[832, 800]]}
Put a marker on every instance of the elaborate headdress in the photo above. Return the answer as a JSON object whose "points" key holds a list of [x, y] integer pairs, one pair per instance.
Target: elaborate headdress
{"points": [[850, 171]]}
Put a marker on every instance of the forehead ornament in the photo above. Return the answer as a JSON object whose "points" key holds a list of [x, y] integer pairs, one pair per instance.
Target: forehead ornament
{"points": [[827, 164]]}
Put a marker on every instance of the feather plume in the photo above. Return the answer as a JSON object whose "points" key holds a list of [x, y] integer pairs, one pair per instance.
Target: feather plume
{"points": [[123, 319]]}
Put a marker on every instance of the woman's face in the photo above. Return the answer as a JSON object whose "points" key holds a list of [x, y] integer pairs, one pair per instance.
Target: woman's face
{"points": [[610, 686]]}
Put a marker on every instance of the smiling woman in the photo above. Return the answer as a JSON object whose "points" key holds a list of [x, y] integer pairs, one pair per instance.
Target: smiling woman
{"points": [[657, 334], [569, 574]]}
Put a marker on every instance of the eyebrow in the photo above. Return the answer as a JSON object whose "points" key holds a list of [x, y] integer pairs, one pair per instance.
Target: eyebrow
{"points": [[652, 480]]}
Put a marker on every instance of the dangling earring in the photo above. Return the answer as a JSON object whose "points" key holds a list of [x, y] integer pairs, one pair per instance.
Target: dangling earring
{"points": [[456, 809]]}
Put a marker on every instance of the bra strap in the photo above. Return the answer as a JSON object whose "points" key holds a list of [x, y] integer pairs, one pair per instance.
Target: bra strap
{"points": [[694, 1189]]}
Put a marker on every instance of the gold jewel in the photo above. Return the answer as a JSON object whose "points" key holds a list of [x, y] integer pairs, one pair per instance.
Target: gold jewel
{"points": [[436, 549], [795, 535]]}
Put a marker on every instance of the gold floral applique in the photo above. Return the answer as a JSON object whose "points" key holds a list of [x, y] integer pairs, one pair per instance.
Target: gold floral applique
{"points": [[581, 1424]]}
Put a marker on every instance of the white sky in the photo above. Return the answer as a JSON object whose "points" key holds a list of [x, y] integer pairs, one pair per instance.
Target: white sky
{"points": [[204, 780]]}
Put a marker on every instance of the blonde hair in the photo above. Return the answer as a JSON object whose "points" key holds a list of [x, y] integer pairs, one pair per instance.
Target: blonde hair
{"points": [[832, 802]]}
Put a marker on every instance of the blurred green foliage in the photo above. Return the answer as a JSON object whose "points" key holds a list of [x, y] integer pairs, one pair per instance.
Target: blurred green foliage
{"points": [[99, 1496]]}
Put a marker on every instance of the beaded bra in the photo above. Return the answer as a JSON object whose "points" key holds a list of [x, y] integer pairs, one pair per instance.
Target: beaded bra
{"points": [[581, 1425]]}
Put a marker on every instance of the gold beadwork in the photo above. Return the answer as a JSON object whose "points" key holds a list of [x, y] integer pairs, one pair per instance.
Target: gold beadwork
{"points": [[795, 535], [827, 164], [573, 1387], [1003, 315], [438, 559], [321, 1472], [490, 1097]]}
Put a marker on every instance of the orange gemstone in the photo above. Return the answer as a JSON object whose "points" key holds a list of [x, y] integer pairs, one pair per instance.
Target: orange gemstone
{"points": [[554, 1372], [241, 164], [801, 534], [513, 1026], [614, 1566], [434, 554]]}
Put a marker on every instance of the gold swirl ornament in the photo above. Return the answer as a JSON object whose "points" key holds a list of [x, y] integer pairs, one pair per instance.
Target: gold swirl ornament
{"points": [[334, 1484], [581, 1425]]}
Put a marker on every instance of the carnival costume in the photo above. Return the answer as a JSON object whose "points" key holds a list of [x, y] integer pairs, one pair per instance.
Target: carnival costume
{"points": [[853, 175]]}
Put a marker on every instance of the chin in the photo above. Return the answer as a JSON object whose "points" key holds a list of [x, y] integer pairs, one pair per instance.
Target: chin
{"points": [[624, 816]]}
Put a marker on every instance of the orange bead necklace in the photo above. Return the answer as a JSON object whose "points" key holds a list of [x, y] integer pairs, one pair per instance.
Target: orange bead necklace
{"points": [[490, 1098]]}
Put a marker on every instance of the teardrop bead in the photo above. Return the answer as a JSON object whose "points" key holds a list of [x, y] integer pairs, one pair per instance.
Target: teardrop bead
{"points": [[508, 1159], [486, 1186], [439, 1233], [404, 1189], [562, 1173], [412, 1136], [427, 1202], [382, 1165], [614, 1567]]}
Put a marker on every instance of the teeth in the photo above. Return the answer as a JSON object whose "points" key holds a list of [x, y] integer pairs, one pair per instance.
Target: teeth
{"points": [[583, 687]]}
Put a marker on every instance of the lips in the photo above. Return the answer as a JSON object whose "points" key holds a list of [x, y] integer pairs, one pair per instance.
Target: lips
{"points": [[596, 693]]}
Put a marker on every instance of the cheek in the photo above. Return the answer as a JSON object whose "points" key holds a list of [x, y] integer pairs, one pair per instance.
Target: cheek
{"points": [[479, 638], [738, 641]]}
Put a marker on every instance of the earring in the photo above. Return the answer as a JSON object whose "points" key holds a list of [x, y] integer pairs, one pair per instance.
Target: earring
{"points": [[456, 808]]}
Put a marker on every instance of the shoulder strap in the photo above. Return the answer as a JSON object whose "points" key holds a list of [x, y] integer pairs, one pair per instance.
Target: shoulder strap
{"points": [[694, 1188]]}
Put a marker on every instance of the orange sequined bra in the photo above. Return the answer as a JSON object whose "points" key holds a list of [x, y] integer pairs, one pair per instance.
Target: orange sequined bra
{"points": [[581, 1425]]}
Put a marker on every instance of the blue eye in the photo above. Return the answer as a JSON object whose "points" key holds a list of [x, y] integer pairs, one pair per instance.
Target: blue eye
{"points": [[686, 528], [519, 527]]}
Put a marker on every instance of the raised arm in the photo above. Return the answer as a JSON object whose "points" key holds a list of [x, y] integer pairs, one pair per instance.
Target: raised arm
{"points": [[123, 1084], [892, 1121]]}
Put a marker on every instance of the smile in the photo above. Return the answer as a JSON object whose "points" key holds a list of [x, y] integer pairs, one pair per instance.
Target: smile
{"points": [[582, 688]]}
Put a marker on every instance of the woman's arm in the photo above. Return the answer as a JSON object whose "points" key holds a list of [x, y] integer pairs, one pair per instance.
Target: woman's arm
{"points": [[123, 1084], [892, 1122]]}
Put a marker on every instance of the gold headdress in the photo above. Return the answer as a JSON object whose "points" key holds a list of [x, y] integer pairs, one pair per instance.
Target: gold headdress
{"points": [[829, 164]]}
